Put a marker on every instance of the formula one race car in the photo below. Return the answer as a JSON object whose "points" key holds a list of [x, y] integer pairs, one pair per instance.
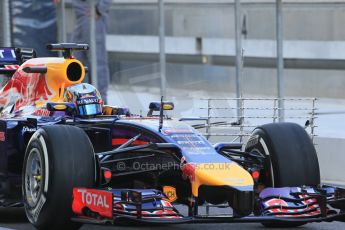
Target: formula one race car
{"points": [[70, 159]]}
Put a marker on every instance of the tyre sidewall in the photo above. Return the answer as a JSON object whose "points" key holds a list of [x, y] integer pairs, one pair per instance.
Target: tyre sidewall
{"points": [[261, 144], [34, 213]]}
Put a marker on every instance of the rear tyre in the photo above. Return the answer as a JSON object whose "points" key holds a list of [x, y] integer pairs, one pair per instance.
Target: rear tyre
{"points": [[57, 159], [291, 158]]}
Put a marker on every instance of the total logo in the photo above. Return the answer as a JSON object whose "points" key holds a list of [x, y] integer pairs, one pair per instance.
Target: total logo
{"points": [[98, 201], [93, 199]]}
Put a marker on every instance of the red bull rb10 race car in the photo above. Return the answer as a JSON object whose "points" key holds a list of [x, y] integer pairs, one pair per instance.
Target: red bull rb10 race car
{"points": [[69, 159]]}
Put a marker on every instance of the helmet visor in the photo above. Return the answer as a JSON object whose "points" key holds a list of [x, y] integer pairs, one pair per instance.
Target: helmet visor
{"points": [[90, 109]]}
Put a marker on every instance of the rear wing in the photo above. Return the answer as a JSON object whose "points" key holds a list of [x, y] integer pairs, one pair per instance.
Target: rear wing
{"points": [[11, 58]]}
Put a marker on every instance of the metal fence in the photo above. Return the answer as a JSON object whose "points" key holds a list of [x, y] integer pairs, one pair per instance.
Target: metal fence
{"points": [[254, 112]]}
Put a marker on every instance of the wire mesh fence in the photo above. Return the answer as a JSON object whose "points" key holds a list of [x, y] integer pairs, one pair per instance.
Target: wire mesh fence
{"points": [[224, 119]]}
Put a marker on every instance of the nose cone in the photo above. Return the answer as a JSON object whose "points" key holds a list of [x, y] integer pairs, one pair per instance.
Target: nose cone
{"points": [[221, 174]]}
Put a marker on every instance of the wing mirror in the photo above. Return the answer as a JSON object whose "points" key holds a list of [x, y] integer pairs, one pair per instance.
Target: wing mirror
{"points": [[156, 106], [67, 107]]}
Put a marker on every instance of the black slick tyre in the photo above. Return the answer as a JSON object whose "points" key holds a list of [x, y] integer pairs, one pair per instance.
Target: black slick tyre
{"points": [[291, 159], [57, 159]]}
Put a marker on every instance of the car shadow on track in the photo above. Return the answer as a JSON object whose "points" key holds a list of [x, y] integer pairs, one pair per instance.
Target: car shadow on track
{"points": [[12, 215]]}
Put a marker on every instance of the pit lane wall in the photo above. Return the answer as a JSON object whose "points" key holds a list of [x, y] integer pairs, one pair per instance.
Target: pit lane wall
{"points": [[331, 154]]}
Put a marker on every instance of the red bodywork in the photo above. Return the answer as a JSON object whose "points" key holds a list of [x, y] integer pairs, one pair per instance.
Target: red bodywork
{"points": [[97, 201], [28, 89]]}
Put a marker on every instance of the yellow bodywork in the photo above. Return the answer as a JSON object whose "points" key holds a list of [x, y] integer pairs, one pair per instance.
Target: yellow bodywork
{"points": [[56, 76], [220, 174]]}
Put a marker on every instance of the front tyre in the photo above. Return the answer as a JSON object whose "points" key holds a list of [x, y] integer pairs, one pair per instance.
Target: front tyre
{"points": [[57, 159], [290, 158]]}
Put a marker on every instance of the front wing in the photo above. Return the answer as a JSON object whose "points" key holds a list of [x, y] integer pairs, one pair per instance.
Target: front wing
{"points": [[148, 206]]}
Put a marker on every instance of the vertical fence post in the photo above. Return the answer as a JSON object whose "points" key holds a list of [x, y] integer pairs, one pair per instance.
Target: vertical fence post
{"points": [[238, 41], [93, 50], [280, 60], [208, 122], [312, 119], [162, 60], [241, 120], [275, 108], [62, 22], [6, 23]]}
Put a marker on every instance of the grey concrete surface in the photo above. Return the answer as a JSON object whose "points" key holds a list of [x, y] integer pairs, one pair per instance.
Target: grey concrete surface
{"points": [[331, 159], [314, 20]]}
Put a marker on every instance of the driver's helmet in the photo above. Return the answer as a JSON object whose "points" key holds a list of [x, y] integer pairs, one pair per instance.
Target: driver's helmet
{"points": [[86, 97]]}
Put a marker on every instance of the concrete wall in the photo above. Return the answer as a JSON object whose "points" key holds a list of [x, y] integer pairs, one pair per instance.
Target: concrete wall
{"points": [[303, 20], [331, 154]]}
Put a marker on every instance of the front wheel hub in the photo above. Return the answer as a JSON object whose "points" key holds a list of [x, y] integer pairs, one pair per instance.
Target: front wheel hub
{"points": [[33, 177]]}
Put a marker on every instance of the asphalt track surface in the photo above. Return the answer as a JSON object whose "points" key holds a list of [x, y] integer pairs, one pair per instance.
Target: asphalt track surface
{"points": [[15, 219]]}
